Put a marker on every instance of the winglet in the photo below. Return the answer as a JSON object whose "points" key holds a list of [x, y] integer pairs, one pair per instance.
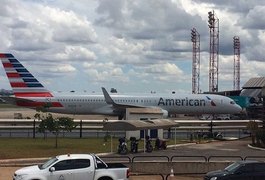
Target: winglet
{"points": [[107, 97]]}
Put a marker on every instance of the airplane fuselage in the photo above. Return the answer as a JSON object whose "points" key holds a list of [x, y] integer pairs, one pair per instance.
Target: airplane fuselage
{"points": [[173, 104]]}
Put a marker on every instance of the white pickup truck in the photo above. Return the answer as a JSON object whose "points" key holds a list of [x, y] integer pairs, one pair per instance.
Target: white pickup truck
{"points": [[74, 167]]}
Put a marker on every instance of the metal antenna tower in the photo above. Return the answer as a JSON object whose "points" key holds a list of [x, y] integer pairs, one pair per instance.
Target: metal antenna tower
{"points": [[195, 39], [236, 63], [213, 24]]}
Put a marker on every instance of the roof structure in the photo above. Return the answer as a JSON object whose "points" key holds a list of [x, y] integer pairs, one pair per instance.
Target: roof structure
{"points": [[251, 92], [133, 125], [144, 110], [254, 83]]}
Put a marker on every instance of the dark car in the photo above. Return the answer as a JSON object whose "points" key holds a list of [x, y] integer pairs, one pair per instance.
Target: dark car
{"points": [[241, 170]]}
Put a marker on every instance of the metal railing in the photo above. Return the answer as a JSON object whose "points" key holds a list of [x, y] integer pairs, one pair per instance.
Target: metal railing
{"points": [[165, 158], [151, 158], [83, 126]]}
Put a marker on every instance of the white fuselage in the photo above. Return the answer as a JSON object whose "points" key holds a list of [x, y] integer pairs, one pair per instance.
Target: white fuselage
{"points": [[172, 103]]}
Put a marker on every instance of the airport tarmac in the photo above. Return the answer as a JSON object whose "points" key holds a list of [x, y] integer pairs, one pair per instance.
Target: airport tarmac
{"points": [[10, 113]]}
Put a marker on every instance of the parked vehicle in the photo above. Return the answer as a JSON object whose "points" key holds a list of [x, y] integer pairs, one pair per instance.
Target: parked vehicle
{"points": [[160, 144], [122, 147], [148, 144], [245, 170], [207, 134], [134, 145], [74, 167]]}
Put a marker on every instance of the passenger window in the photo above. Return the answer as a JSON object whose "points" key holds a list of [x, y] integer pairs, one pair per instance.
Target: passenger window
{"points": [[72, 164], [63, 165], [246, 168], [259, 167], [100, 165], [81, 163]]}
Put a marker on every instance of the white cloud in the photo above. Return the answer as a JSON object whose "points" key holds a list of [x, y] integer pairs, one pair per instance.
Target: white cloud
{"points": [[34, 26], [68, 27], [131, 41], [63, 69], [73, 53], [255, 17], [104, 72], [167, 68]]}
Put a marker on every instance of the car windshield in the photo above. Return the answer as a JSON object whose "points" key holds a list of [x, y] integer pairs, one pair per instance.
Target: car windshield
{"points": [[232, 167], [48, 163]]}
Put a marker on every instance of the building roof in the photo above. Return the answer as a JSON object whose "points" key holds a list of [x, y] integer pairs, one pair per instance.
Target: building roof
{"points": [[144, 110], [254, 83], [251, 92], [132, 125]]}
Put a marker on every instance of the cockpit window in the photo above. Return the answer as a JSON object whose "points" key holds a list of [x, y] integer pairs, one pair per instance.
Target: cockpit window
{"points": [[232, 102]]}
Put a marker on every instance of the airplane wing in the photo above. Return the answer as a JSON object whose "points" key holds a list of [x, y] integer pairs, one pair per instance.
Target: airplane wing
{"points": [[120, 106], [15, 100]]}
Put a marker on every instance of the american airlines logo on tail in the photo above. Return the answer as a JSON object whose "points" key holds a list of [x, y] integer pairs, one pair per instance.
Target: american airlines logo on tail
{"points": [[24, 84]]}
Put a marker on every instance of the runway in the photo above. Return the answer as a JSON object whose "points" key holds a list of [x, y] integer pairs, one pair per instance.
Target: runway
{"points": [[10, 113]]}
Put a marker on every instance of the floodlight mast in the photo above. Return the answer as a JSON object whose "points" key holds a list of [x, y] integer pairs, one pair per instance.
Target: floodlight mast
{"points": [[236, 82], [213, 24], [195, 39]]}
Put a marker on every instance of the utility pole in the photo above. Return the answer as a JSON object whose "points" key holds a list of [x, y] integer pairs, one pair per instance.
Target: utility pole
{"points": [[236, 63], [213, 24], [195, 39]]}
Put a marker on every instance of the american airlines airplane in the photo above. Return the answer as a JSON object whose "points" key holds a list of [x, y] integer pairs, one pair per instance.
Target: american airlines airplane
{"points": [[29, 92]]}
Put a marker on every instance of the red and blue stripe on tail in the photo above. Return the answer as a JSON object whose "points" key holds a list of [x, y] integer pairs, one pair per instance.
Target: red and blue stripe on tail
{"points": [[26, 87], [23, 83]]}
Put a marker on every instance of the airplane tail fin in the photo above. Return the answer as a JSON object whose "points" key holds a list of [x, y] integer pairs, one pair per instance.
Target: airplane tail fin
{"points": [[23, 83]]}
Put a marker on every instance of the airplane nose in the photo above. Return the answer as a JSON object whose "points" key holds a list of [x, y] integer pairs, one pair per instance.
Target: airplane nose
{"points": [[238, 108]]}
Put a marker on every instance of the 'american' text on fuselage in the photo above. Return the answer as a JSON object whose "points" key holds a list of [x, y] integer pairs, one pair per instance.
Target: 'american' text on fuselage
{"points": [[181, 102]]}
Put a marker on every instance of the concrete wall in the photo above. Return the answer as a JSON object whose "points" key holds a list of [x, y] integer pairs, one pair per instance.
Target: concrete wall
{"points": [[178, 167]]}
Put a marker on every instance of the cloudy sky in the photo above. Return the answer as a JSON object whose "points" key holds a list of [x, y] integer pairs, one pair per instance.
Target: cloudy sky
{"points": [[131, 45]]}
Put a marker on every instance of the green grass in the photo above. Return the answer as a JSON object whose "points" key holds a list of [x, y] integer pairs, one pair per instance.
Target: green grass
{"points": [[29, 148], [4, 105], [11, 148]]}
